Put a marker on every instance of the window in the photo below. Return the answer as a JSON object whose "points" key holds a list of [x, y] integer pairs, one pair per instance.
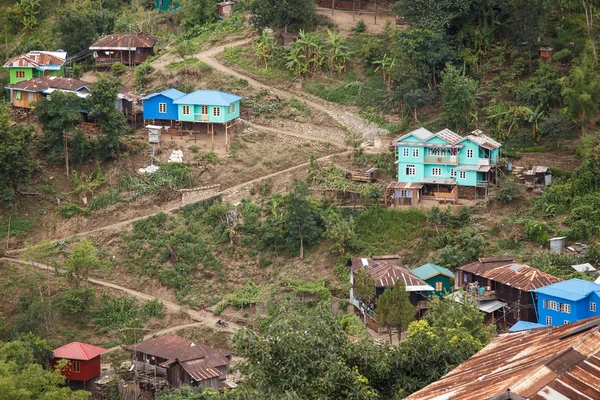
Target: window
{"points": [[566, 308], [18, 95], [592, 306], [552, 305], [548, 320], [411, 170], [470, 153], [162, 108], [30, 96], [204, 110], [76, 366], [404, 193], [217, 111], [463, 174], [438, 286], [436, 171], [233, 108], [405, 152], [185, 110], [415, 152], [453, 173], [567, 322], [229, 109], [20, 74], [545, 304]]}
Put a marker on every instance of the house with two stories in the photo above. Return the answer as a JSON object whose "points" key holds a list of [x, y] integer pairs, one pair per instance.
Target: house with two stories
{"points": [[36, 64], [567, 302], [443, 166], [505, 292], [386, 270], [181, 362], [128, 49], [438, 277]]}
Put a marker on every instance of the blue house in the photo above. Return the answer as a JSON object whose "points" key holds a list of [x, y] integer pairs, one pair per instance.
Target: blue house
{"points": [[159, 106], [443, 166], [208, 106], [567, 302]]}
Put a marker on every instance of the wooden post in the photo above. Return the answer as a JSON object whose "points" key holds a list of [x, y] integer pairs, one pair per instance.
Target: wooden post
{"points": [[212, 131], [226, 138], [332, 6], [375, 12]]}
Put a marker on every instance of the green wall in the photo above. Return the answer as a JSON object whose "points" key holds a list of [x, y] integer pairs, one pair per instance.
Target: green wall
{"points": [[446, 284]]}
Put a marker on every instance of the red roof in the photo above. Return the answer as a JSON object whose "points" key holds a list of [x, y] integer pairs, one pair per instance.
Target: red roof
{"points": [[78, 351], [386, 270]]}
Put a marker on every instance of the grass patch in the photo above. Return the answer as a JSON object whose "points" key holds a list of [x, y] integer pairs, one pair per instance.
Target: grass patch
{"points": [[20, 225], [190, 64], [242, 57], [386, 231]]}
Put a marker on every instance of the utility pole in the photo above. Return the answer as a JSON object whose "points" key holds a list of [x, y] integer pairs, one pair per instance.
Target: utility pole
{"points": [[135, 387], [332, 6]]}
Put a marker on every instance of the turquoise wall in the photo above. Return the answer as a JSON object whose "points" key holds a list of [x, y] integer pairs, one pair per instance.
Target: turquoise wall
{"points": [[196, 113], [462, 154]]}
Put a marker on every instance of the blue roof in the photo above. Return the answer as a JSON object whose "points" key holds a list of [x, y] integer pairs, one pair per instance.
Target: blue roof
{"points": [[170, 93], [208, 97], [525, 326], [573, 289], [430, 270]]}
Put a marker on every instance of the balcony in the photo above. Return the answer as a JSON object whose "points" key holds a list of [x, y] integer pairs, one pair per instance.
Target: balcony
{"points": [[483, 184], [452, 160]]}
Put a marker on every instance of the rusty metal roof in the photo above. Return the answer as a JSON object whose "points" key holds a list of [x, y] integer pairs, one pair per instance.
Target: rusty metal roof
{"points": [[449, 136], [175, 347], [485, 264], [520, 276], [536, 170], [120, 41], [205, 368], [52, 82], [405, 185], [37, 59], [542, 364], [386, 270]]}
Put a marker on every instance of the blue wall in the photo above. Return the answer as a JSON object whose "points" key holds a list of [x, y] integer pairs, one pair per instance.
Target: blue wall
{"points": [[151, 108], [579, 309]]}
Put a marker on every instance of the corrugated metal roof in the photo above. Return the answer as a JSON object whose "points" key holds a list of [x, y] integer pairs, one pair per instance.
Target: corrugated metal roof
{"points": [[441, 181], [208, 97], [536, 364], [573, 289], [175, 347], [37, 59], [386, 270], [485, 264], [449, 136], [587, 267], [520, 276], [78, 351], [170, 93], [205, 368], [536, 170], [430, 270], [421, 133], [524, 326], [121, 41], [482, 140], [405, 185], [53, 82]]}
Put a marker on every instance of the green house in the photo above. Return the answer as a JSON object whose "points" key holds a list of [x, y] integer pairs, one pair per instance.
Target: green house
{"points": [[164, 5], [36, 64], [438, 277]]}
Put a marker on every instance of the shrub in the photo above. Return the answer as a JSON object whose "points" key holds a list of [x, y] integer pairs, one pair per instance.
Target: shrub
{"points": [[359, 27], [508, 192], [118, 69], [211, 157], [194, 149], [141, 73], [69, 210], [537, 231]]}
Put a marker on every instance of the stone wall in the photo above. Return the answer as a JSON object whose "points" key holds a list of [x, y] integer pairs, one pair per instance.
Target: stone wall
{"points": [[467, 192]]}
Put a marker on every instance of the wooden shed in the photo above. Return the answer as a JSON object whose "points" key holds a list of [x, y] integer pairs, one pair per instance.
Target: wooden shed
{"points": [[84, 361], [367, 174], [537, 177], [225, 9], [124, 48], [403, 194]]}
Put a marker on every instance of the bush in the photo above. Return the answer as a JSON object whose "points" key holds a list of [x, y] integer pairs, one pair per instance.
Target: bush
{"points": [[211, 157], [69, 210], [118, 69], [141, 73], [537, 231], [194, 149], [508, 192], [359, 27]]}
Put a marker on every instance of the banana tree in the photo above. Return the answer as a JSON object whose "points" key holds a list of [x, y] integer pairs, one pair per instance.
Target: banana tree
{"points": [[385, 65], [338, 52], [534, 118], [264, 47]]}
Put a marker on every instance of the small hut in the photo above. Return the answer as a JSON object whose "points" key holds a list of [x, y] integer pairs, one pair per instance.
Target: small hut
{"points": [[84, 361], [537, 177], [225, 9], [367, 174]]}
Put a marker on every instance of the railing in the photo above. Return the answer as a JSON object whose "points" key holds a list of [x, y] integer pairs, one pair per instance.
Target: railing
{"points": [[482, 183], [484, 161], [441, 160]]}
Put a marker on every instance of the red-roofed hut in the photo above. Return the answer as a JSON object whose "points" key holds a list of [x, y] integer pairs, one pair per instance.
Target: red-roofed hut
{"points": [[84, 361]]}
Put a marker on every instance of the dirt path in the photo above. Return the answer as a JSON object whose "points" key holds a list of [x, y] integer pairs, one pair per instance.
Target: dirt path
{"points": [[355, 124], [203, 318]]}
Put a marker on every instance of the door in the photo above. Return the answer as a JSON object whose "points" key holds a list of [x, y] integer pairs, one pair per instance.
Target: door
{"points": [[204, 113], [46, 73]]}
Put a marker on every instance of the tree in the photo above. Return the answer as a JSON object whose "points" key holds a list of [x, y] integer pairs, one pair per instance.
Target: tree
{"points": [[80, 262], [264, 47], [101, 106], [339, 232], [59, 116], [364, 287], [76, 302], [281, 14], [197, 13], [458, 93], [435, 14], [16, 163], [187, 393], [301, 353], [82, 23], [581, 89], [183, 50], [394, 310], [302, 220]]}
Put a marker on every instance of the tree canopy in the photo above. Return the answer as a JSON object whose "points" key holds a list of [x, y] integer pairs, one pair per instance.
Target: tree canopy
{"points": [[283, 14]]}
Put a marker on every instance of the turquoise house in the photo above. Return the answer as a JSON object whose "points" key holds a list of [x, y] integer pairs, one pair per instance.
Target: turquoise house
{"points": [[164, 5], [209, 106], [437, 277], [443, 166]]}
